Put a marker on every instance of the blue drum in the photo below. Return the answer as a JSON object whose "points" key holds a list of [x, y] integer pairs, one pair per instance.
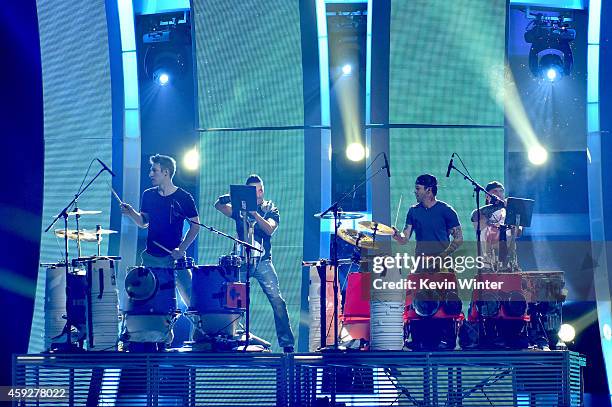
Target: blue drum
{"points": [[209, 288], [151, 291], [213, 288]]}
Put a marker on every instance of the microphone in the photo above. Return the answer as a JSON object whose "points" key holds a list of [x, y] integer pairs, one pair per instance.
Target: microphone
{"points": [[106, 167], [387, 165], [450, 166]]}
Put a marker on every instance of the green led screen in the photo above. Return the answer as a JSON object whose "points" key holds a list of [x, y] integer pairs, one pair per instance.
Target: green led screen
{"points": [[447, 61], [249, 63], [249, 74]]}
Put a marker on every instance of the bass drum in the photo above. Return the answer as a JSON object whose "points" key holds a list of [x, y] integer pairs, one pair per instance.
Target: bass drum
{"points": [[150, 290], [150, 311], [212, 287]]}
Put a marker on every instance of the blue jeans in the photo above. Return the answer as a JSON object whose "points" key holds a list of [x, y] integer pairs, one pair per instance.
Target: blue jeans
{"points": [[183, 277], [266, 275]]}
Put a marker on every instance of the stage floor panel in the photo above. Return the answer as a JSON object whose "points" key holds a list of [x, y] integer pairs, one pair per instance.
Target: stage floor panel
{"points": [[380, 378]]}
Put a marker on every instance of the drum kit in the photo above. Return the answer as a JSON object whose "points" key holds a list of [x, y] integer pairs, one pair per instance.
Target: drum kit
{"points": [[355, 318], [81, 299]]}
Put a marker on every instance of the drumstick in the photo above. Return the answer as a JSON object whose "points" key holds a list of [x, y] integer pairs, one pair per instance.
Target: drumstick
{"points": [[162, 247], [398, 209], [115, 194]]}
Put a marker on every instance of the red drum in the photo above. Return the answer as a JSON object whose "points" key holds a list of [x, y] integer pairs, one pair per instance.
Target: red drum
{"points": [[440, 303], [505, 298], [356, 316]]}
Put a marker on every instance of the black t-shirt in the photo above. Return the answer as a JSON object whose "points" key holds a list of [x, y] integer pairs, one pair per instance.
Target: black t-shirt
{"points": [[165, 215], [261, 237], [431, 226]]}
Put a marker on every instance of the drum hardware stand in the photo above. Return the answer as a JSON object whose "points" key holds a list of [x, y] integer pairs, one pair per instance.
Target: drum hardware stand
{"points": [[64, 214], [248, 247], [336, 209], [98, 237], [477, 189]]}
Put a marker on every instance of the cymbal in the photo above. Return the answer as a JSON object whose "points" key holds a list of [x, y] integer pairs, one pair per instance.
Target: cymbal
{"points": [[100, 231], [357, 238], [380, 228], [341, 215], [72, 235], [83, 212]]}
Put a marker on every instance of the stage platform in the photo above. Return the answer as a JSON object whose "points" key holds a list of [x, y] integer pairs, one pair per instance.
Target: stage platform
{"points": [[381, 378]]}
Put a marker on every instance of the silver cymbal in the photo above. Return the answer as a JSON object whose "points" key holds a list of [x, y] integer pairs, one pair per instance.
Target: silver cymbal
{"points": [[72, 235], [83, 212], [100, 231]]}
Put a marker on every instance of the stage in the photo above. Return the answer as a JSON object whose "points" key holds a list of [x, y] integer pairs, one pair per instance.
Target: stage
{"points": [[381, 378]]}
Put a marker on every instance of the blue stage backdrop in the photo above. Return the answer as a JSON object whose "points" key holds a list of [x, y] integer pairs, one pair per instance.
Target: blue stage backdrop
{"points": [[249, 74], [77, 126]]}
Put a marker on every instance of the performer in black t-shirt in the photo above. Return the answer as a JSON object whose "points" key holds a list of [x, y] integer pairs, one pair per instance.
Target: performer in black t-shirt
{"points": [[261, 226], [163, 210], [432, 220]]}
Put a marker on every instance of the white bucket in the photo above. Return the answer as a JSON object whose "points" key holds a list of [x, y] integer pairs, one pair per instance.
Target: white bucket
{"points": [[386, 325]]}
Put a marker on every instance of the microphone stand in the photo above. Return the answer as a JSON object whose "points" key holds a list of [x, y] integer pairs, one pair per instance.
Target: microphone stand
{"points": [[64, 214], [248, 247], [477, 189], [335, 208]]}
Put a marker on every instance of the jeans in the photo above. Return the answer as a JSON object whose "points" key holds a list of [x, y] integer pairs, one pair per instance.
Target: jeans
{"points": [[183, 277], [266, 275]]}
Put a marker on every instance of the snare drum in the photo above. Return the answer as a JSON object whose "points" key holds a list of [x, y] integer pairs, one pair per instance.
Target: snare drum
{"points": [[184, 263]]}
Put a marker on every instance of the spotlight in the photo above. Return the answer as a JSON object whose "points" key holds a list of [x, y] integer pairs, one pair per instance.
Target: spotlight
{"points": [[347, 69], [537, 155], [161, 78], [550, 55], [164, 63], [567, 333], [355, 152], [553, 67], [191, 160]]}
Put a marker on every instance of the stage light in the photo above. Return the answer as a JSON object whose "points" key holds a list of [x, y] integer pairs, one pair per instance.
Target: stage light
{"points": [[550, 55], [347, 69], [355, 152], [552, 74], [567, 333], [164, 64], [537, 155], [191, 159], [607, 332], [161, 78]]}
